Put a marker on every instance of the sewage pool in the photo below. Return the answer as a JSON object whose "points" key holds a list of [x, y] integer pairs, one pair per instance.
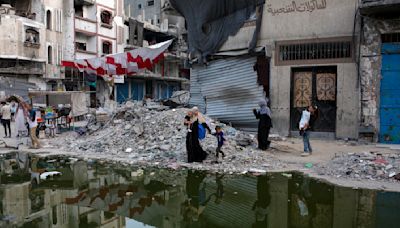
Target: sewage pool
{"points": [[67, 192]]}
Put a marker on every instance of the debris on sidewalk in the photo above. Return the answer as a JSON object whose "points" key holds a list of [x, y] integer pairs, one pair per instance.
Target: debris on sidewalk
{"points": [[367, 165], [153, 133]]}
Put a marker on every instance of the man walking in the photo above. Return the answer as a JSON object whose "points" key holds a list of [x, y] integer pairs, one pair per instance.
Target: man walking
{"points": [[6, 118]]}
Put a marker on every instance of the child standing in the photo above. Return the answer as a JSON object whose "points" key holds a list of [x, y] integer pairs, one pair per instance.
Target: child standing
{"points": [[220, 138]]}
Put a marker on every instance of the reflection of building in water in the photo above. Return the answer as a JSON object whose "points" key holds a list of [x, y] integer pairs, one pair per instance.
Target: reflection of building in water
{"points": [[101, 196]]}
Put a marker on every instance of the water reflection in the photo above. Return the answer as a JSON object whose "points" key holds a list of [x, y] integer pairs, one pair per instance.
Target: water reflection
{"points": [[66, 192]]}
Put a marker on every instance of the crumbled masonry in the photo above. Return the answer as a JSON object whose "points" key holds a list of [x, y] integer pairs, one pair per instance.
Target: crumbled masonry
{"points": [[154, 135], [367, 165]]}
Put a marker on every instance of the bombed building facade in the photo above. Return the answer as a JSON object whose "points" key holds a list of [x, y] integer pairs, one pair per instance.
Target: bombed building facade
{"points": [[148, 25], [380, 69], [31, 43], [306, 52]]}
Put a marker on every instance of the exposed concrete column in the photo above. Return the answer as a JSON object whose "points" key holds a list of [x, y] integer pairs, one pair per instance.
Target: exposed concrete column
{"points": [[69, 30]]}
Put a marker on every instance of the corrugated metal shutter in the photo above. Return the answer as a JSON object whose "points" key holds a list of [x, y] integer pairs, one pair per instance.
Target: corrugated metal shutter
{"points": [[230, 88], [196, 98], [16, 86]]}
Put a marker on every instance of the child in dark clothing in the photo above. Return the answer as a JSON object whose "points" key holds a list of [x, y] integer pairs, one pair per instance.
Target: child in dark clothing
{"points": [[220, 137]]}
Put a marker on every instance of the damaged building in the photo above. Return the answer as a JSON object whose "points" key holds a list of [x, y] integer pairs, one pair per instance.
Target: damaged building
{"points": [[32, 42], [95, 29], [296, 53], [147, 25], [380, 69]]}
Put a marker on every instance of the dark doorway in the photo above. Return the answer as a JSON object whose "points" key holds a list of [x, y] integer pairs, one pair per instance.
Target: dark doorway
{"points": [[314, 85], [262, 68]]}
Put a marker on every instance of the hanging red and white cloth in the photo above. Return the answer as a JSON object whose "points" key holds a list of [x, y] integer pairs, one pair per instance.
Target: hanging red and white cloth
{"points": [[122, 63]]}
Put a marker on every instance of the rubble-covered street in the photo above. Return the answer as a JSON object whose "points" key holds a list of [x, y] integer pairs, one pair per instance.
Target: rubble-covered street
{"points": [[154, 135]]}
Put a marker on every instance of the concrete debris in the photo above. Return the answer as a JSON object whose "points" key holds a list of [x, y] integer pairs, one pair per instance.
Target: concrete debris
{"points": [[152, 134], [367, 165], [181, 97]]}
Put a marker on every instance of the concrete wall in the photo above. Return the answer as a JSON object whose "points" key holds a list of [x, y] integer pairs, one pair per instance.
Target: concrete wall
{"points": [[68, 30], [55, 38], [347, 118], [336, 19], [310, 20]]}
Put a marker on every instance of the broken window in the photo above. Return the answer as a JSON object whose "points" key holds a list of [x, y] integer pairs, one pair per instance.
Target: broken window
{"points": [[106, 17], [140, 6], [79, 10], [31, 36], [49, 55], [150, 3], [48, 19], [107, 47], [80, 46], [23, 8]]}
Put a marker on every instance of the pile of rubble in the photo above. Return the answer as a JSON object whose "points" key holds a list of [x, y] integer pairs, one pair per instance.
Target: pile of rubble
{"points": [[367, 165], [154, 133]]}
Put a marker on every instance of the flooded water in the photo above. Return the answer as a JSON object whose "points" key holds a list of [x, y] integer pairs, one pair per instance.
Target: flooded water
{"points": [[63, 192]]}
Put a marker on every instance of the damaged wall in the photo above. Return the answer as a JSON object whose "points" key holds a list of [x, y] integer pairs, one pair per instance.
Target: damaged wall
{"points": [[370, 68]]}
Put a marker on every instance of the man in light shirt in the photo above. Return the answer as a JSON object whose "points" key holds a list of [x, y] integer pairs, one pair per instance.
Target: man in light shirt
{"points": [[6, 118]]}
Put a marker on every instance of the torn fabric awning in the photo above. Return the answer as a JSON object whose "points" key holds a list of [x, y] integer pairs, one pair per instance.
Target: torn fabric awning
{"points": [[122, 63], [211, 22]]}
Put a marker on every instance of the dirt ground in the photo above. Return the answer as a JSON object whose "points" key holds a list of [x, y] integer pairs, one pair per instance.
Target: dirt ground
{"points": [[286, 151]]}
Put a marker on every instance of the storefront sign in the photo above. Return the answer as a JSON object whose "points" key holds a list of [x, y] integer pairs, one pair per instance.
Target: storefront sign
{"points": [[298, 6]]}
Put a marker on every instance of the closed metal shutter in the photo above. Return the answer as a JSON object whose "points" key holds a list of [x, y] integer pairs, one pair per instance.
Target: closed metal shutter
{"points": [[196, 98], [230, 90]]}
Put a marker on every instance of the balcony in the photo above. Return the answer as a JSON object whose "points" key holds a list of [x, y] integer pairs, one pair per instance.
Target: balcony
{"points": [[380, 8], [85, 25], [22, 38]]}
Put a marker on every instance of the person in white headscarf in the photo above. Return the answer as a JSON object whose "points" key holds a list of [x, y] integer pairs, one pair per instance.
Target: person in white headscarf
{"points": [[20, 122], [263, 114]]}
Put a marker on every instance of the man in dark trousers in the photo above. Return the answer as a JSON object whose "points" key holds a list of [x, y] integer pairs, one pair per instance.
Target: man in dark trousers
{"points": [[6, 118]]}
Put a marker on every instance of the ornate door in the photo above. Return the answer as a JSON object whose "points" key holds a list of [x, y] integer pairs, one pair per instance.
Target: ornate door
{"points": [[316, 86]]}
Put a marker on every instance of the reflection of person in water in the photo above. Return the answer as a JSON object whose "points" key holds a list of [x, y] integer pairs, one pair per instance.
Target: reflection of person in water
{"points": [[260, 207], [197, 200], [304, 199], [220, 188]]}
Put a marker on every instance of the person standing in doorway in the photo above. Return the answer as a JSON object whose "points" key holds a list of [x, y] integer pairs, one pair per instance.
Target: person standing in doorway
{"points": [[264, 125], [308, 127], [6, 118]]}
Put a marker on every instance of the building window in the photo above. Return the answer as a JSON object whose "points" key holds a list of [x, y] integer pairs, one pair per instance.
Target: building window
{"points": [[107, 47], [140, 6], [320, 51], [49, 55], [48, 19], [79, 10], [80, 46], [106, 17], [150, 3], [31, 36]]}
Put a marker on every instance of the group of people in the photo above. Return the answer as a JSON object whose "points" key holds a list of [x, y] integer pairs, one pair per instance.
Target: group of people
{"points": [[23, 115], [196, 126]]}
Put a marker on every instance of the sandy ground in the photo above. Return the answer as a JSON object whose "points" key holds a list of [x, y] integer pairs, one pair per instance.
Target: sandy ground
{"points": [[287, 152]]}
